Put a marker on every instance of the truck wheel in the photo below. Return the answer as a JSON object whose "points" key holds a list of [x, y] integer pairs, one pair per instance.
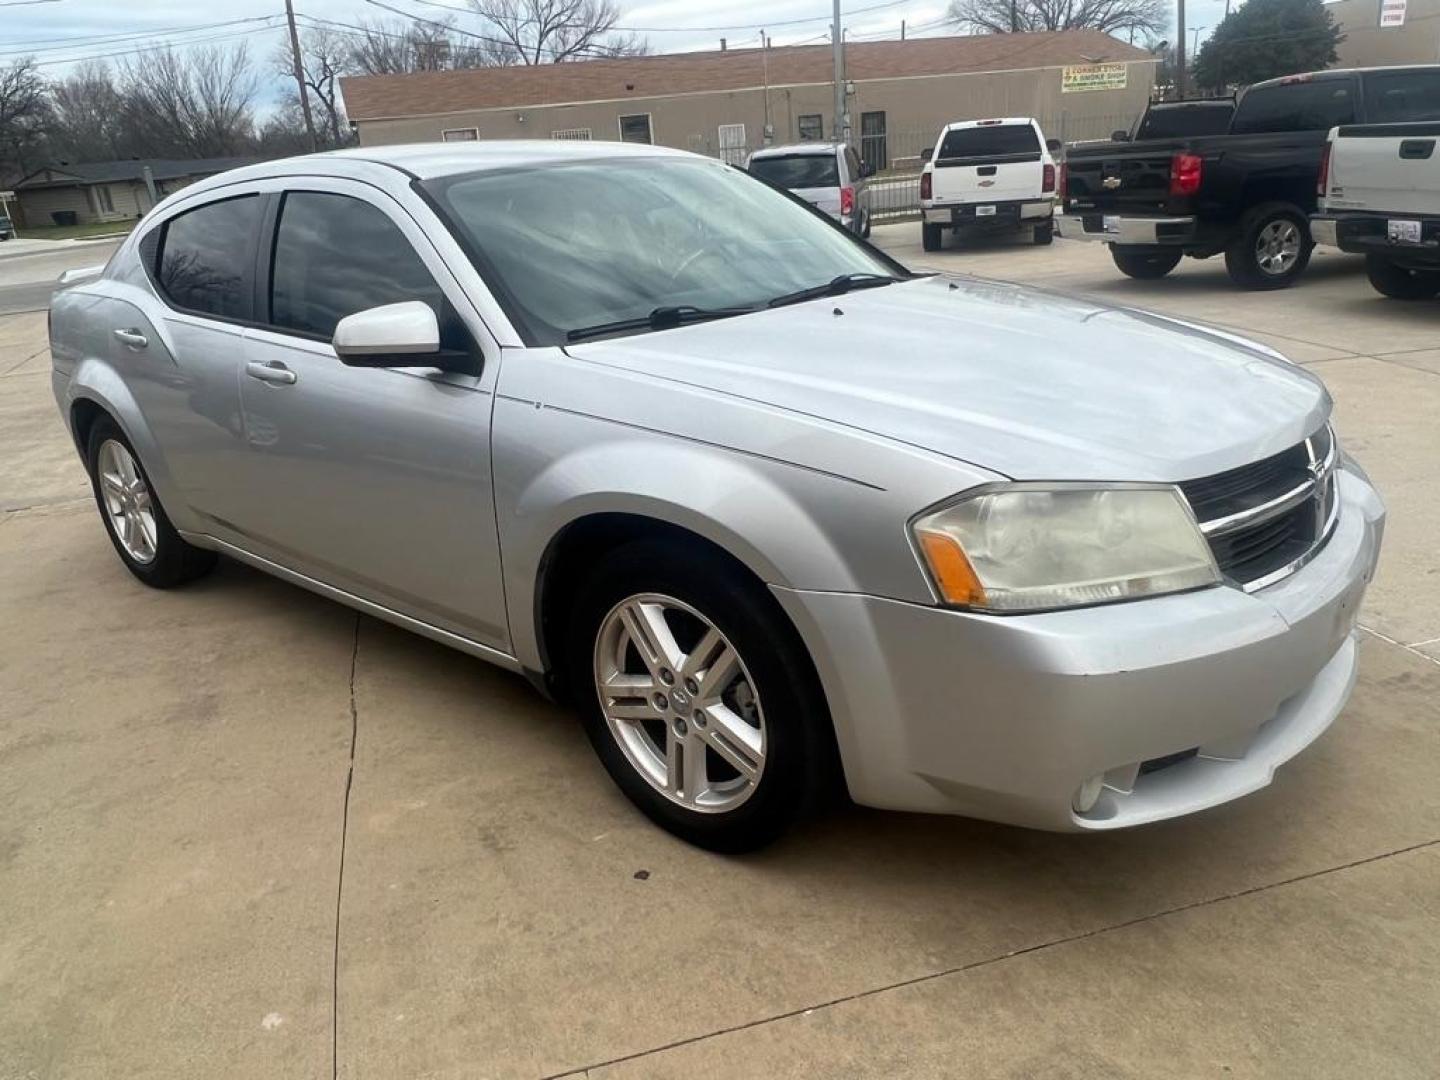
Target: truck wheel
{"points": [[1271, 249], [930, 237], [1043, 234], [1399, 283], [1145, 263]]}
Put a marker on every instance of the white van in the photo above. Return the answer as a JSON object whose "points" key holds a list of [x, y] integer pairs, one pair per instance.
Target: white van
{"points": [[988, 176]]}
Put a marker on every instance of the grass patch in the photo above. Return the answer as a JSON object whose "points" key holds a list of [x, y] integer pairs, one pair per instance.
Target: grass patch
{"points": [[75, 232]]}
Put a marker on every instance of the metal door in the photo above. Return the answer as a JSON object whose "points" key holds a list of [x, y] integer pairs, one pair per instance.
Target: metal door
{"points": [[732, 144], [872, 140]]}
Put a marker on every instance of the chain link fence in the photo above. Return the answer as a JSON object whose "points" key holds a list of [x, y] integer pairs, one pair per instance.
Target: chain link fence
{"points": [[895, 154]]}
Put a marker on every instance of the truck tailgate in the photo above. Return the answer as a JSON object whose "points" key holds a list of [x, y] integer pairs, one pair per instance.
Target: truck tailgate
{"points": [[992, 178], [1393, 167], [1120, 180]]}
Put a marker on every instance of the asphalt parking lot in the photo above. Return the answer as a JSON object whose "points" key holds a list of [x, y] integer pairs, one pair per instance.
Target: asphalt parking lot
{"points": [[244, 832]]}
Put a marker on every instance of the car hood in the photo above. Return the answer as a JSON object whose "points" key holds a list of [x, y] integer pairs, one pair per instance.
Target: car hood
{"points": [[1023, 382]]}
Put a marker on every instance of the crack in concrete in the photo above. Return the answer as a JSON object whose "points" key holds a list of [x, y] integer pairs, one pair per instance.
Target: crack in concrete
{"points": [[340, 877], [960, 969], [1401, 645]]}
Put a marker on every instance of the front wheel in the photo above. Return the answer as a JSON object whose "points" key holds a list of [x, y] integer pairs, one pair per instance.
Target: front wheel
{"points": [[1398, 283], [702, 705], [1145, 263], [1271, 249]]}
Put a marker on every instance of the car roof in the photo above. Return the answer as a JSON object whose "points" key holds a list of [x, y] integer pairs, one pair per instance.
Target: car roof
{"points": [[792, 149], [1340, 73], [993, 121]]}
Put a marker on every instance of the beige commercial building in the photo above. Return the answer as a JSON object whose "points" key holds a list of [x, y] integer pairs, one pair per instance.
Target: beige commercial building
{"points": [[1079, 83], [1411, 34]]}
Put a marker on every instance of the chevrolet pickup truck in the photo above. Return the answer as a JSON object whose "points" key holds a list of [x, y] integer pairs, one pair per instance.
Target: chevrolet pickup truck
{"points": [[1380, 197], [1246, 194]]}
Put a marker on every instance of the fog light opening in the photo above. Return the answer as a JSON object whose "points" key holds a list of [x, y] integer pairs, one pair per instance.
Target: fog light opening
{"points": [[1088, 794]]}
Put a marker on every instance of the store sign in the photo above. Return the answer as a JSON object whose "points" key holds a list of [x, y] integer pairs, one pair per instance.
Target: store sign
{"points": [[1098, 76], [1392, 13]]}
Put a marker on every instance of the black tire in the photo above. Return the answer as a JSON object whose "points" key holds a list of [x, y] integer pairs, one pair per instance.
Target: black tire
{"points": [[865, 231], [799, 756], [1043, 234], [931, 237], [1145, 263], [175, 562], [1242, 259], [1399, 283]]}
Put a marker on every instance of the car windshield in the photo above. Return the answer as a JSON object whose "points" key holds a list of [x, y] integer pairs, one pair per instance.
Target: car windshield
{"points": [[574, 246], [1181, 121], [797, 170]]}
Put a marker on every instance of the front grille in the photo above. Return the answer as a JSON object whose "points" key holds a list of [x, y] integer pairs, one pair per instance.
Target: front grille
{"points": [[1264, 518]]}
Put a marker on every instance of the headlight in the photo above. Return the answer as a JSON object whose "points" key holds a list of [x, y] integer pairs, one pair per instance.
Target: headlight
{"points": [[1028, 547]]}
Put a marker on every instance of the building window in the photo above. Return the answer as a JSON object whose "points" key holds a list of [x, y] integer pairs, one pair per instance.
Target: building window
{"points": [[812, 127], [732, 144], [873, 150], [636, 128], [582, 134], [104, 201], [460, 134]]}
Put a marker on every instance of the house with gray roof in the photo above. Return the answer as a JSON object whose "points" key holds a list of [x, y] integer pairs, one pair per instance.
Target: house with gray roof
{"points": [[69, 194]]}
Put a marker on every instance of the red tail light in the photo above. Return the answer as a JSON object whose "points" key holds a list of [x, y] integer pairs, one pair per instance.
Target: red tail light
{"points": [[925, 185], [1324, 181], [1047, 180], [1064, 190], [1185, 171], [847, 200]]}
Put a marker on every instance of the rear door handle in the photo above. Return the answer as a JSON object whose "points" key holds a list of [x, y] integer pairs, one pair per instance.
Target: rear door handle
{"points": [[272, 372], [1417, 149], [134, 339]]}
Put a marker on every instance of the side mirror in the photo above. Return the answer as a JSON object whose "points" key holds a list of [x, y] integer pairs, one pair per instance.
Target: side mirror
{"points": [[397, 335], [1119, 136], [927, 154], [1053, 145]]}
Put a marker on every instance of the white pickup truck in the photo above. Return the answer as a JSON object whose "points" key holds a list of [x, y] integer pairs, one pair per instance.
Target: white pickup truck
{"points": [[1380, 196], [988, 176]]}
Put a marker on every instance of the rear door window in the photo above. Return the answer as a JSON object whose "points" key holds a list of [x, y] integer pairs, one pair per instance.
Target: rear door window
{"points": [[1396, 96], [1314, 105], [997, 140], [336, 255], [798, 170], [1184, 120], [206, 258]]}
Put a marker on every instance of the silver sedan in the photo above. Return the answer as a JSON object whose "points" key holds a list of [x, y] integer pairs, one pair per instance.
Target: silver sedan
{"points": [[774, 514]]}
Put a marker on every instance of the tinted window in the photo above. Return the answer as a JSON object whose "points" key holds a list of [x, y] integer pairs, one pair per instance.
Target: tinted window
{"points": [[1395, 96], [990, 141], [1316, 105], [334, 256], [852, 163], [636, 128], [812, 129], [798, 170], [207, 256], [1182, 121]]}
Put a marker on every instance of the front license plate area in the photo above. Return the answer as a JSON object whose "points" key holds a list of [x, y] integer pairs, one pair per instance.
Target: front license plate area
{"points": [[1402, 231]]}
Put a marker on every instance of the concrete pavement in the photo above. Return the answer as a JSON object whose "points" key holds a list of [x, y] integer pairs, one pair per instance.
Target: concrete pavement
{"points": [[245, 828]]}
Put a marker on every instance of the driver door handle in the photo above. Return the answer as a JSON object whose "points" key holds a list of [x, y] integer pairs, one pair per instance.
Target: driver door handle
{"points": [[270, 372], [132, 338]]}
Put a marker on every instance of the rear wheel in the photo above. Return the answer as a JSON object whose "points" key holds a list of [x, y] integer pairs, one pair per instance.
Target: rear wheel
{"points": [[1271, 249], [1398, 283], [930, 237], [1145, 263], [1043, 234], [865, 230], [145, 540], [704, 708]]}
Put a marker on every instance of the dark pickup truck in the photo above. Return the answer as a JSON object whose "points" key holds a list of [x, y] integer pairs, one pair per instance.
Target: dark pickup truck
{"points": [[1247, 193]]}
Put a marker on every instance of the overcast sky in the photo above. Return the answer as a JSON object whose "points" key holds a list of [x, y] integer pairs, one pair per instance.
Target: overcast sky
{"points": [[59, 32]]}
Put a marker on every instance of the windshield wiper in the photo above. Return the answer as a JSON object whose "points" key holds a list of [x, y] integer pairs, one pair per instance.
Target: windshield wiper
{"points": [[662, 318], [834, 287]]}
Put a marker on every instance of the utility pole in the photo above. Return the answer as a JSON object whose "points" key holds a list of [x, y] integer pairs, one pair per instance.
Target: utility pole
{"points": [[1195, 45], [1014, 17], [902, 29], [837, 41], [1180, 51], [300, 75]]}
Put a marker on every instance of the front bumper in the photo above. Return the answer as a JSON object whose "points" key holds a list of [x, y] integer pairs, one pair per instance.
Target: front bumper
{"points": [[1008, 214], [1366, 233], [1004, 717], [1127, 230]]}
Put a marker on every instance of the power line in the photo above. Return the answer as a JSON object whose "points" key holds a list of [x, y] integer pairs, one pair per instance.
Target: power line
{"points": [[154, 45], [82, 41], [687, 29]]}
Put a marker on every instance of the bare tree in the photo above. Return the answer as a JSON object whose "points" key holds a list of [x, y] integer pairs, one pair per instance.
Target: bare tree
{"points": [[553, 31], [198, 103], [87, 112], [324, 57], [1144, 17], [24, 114], [397, 47]]}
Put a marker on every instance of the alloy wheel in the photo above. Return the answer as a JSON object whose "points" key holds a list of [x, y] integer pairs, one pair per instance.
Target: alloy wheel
{"points": [[127, 500], [1277, 247], [680, 703]]}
